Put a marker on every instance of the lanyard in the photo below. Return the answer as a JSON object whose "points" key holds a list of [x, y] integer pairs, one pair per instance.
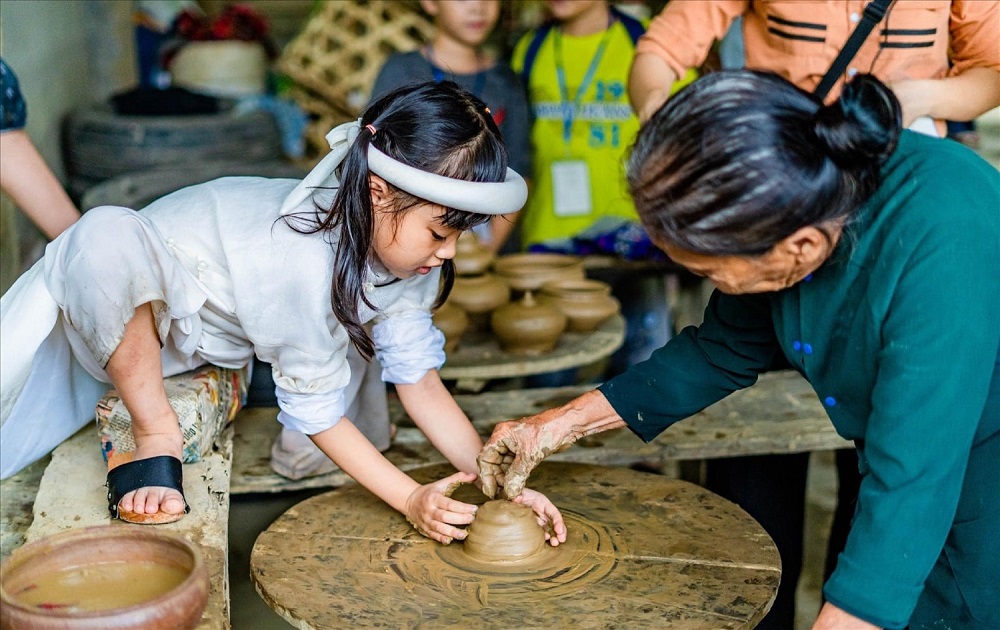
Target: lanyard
{"points": [[440, 75], [569, 108]]}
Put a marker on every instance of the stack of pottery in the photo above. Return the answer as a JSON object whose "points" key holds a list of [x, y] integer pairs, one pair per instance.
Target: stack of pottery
{"points": [[586, 303], [475, 292], [527, 327], [528, 272], [452, 322]]}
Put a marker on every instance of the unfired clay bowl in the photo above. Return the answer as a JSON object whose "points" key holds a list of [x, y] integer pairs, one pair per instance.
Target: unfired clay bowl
{"points": [[528, 272], [110, 577]]}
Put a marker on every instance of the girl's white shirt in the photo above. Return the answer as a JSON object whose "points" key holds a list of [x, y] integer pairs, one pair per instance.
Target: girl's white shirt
{"points": [[267, 291]]}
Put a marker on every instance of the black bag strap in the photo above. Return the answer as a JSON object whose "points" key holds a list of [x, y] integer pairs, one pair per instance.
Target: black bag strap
{"points": [[872, 15]]}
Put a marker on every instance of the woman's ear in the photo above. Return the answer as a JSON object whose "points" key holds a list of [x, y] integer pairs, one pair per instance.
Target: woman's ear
{"points": [[381, 195], [806, 246]]}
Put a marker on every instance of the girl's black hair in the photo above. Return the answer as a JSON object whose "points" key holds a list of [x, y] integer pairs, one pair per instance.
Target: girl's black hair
{"points": [[436, 127], [741, 159]]}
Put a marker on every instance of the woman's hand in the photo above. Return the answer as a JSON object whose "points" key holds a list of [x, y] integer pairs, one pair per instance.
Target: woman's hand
{"points": [[548, 515], [432, 511], [833, 618], [515, 448]]}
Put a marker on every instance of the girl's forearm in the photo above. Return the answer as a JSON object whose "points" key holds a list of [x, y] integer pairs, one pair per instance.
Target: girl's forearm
{"points": [[355, 455], [435, 412]]}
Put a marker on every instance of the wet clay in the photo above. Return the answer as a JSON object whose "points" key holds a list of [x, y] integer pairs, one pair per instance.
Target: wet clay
{"points": [[504, 532], [102, 586]]}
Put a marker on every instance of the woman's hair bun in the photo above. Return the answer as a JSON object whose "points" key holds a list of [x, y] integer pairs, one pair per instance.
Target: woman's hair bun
{"points": [[862, 125]]}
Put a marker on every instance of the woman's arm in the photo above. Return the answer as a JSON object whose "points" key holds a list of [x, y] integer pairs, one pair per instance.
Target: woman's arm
{"points": [[961, 97], [26, 177]]}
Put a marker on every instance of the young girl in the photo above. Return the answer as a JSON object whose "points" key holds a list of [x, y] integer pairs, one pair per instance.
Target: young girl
{"points": [[289, 271]]}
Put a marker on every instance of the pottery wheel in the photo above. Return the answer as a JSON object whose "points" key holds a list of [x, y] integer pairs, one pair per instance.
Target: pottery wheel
{"points": [[643, 551]]}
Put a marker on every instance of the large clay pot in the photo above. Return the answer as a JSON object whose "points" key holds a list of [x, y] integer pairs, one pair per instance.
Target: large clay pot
{"points": [[452, 321], [528, 272], [139, 578], [527, 327], [471, 257], [586, 303]]}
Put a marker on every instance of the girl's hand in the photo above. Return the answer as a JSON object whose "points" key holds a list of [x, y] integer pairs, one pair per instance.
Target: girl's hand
{"points": [[432, 511], [548, 515]]}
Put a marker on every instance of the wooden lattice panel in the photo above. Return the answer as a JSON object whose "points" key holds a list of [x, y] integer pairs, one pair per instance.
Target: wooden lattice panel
{"points": [[342, 47]]}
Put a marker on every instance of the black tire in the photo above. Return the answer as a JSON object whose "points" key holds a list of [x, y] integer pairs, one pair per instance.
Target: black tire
{"points": [[100, 144], [137, 190]]}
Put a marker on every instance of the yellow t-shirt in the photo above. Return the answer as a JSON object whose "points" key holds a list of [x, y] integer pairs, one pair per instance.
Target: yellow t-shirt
{"points": [[604, 125]]}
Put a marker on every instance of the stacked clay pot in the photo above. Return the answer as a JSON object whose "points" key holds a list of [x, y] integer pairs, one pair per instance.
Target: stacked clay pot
{"points": [[476, 292], [452, 322], [586, 303], [527, 327], [528, 272]]}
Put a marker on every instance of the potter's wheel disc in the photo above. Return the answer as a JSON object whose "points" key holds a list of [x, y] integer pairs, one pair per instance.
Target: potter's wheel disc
{"points": [[643, 551]]}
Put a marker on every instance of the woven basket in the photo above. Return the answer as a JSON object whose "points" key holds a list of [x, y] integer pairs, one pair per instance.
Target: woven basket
{"points": [[342, 47]]}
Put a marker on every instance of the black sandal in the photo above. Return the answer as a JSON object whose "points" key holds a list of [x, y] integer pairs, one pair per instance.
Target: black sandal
{"points": [[163, 470]]}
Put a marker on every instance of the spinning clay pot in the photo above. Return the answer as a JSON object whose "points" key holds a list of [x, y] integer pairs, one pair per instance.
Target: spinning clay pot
{"points": [[527, 327], [504, 532]]}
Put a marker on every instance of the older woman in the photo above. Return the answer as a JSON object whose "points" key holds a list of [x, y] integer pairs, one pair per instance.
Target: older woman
{"points": [[868, 259]]}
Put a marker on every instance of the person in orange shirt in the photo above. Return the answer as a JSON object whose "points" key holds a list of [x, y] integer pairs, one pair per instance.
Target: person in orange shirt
{"points": [[942, 61], [940, 57]]}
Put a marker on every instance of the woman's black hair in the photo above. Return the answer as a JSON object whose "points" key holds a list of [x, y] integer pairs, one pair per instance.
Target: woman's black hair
{"points": [[436, 127], [741, 159]]}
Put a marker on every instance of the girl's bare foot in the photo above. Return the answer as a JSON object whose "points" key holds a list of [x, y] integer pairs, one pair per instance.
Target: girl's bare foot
{"points": [[153, 499]]}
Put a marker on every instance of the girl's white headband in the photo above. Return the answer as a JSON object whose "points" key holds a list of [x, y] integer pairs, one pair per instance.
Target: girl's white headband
{"points": [[479, 197]]}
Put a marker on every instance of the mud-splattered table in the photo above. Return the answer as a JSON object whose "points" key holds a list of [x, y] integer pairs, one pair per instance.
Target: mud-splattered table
{"points": [[644, 551]]}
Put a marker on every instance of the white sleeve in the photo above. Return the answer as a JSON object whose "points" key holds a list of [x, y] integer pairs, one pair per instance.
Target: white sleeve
{"points": [[310, 413], [407, 344], [310, 388]]}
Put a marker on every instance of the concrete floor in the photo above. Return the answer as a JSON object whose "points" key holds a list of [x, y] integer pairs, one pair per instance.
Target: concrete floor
{"points": [[251, 514]]}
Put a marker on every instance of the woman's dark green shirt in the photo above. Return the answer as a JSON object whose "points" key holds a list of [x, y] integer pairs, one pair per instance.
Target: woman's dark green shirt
{"points": [[898, 333]]}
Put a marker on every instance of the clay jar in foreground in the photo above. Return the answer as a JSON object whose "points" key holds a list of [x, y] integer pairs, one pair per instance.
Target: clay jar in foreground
{"points": [[527, 327], [504, 532], [108, 604], [586, 303], [452, 322], [471, 257]]}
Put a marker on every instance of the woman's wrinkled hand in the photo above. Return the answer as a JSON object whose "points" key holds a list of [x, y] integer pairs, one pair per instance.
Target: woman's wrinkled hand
{"points": [[432, 511], [548, 515], [513, 451]]}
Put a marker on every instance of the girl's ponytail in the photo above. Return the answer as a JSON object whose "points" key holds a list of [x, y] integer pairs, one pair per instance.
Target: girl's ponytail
{"points": [[357, 227]]}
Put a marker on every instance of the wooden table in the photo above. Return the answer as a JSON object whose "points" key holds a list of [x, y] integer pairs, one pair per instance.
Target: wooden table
{"points": [[643, 551], [780, 414], [479, 358]]}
